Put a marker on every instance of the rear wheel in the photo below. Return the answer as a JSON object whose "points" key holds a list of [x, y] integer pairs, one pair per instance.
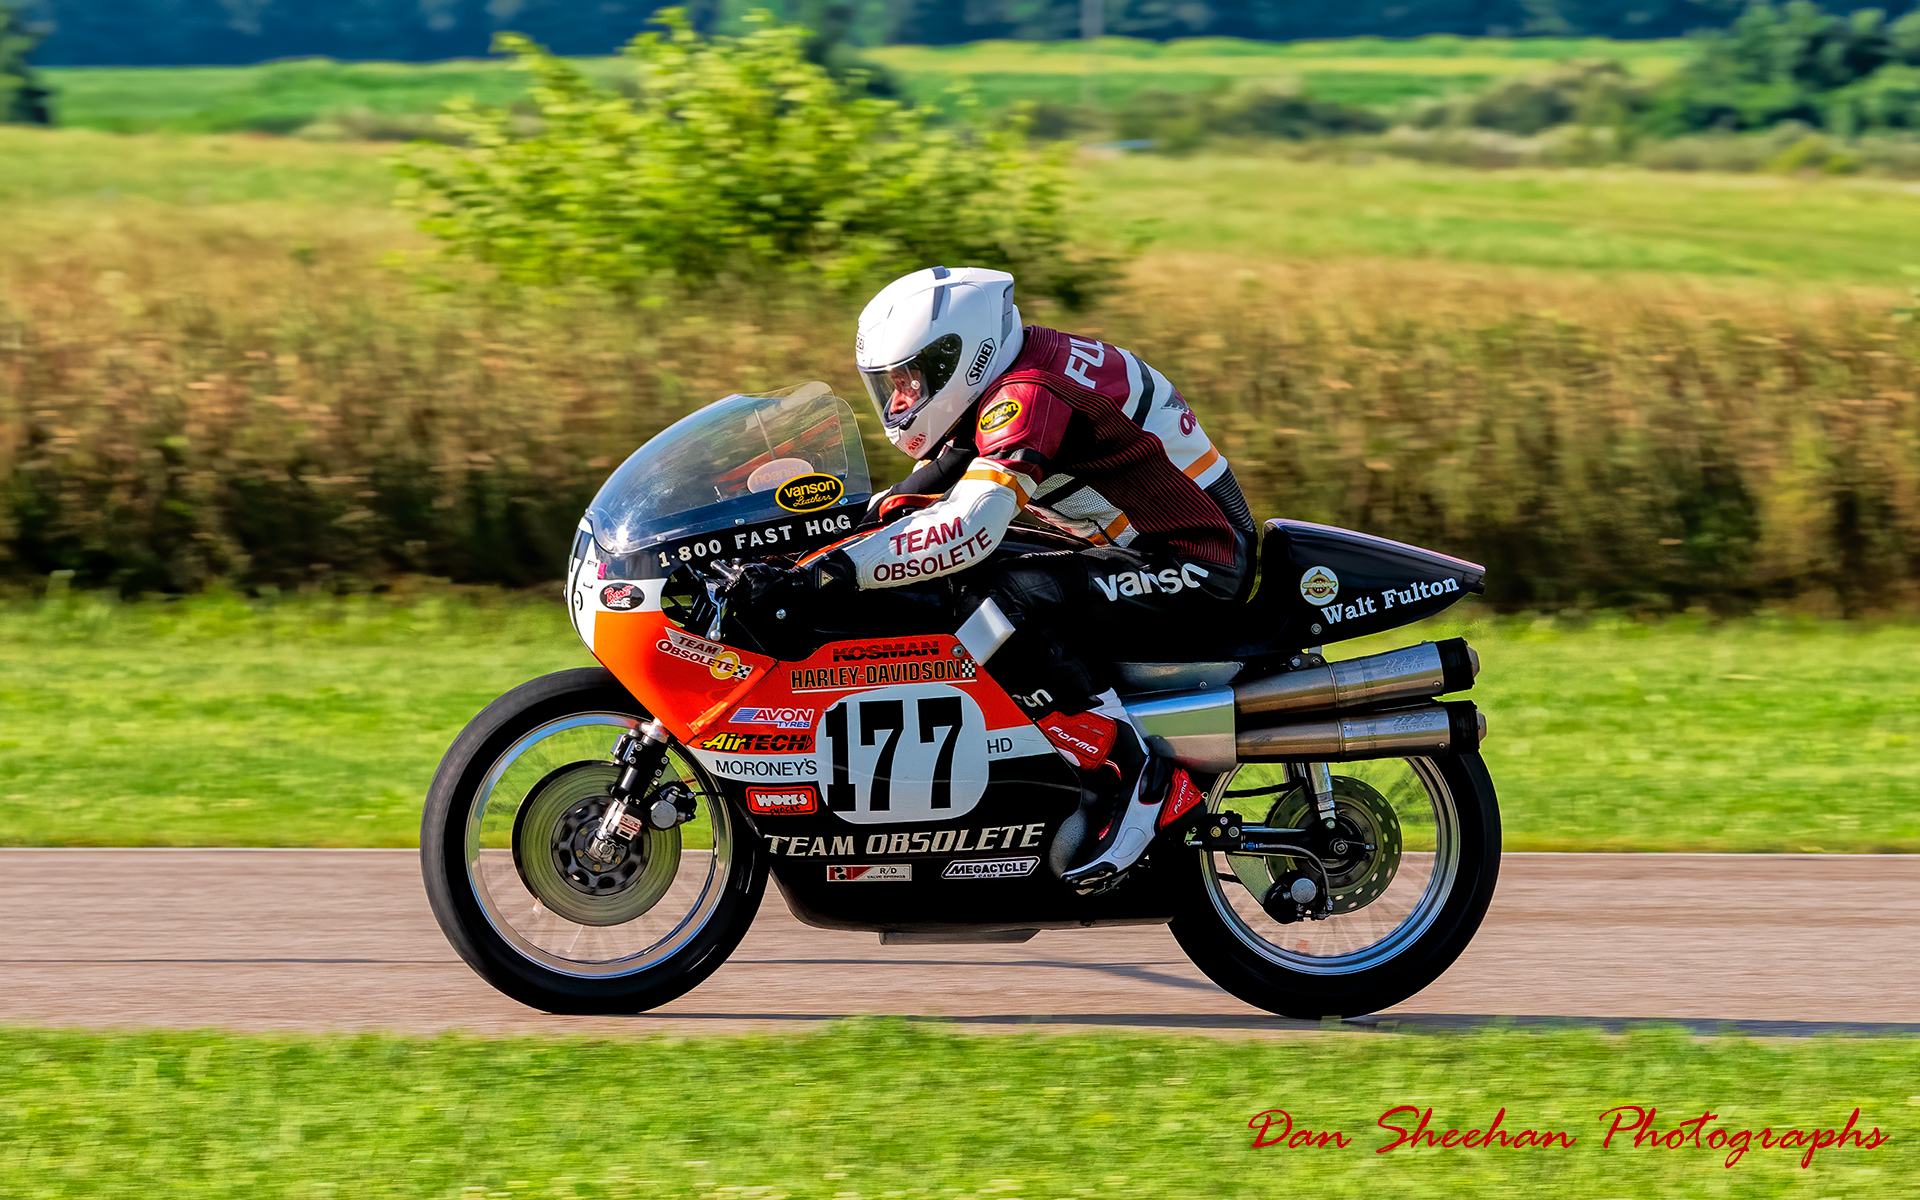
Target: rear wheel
{"points": [[528, 900], [1421, 845]]}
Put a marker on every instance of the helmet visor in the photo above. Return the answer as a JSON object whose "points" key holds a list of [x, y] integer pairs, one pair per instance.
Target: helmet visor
{"points": [[900, 391]]}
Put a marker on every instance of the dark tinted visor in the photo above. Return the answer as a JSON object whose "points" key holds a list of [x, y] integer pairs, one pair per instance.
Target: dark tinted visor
{"points": [[901, 390]]}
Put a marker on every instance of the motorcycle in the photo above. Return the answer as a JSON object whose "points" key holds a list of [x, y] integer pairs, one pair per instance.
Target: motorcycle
{"points": [[598, 840]]}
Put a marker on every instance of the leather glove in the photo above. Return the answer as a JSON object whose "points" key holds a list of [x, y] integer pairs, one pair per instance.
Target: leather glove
{"points": [[759, 579], [795, 590]]}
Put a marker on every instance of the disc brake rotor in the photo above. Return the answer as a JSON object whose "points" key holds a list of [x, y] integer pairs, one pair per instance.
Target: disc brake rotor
{"points": [[553, 838], [1356, 875]]}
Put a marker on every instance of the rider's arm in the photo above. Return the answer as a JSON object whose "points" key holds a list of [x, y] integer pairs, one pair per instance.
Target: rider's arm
{"points": [[1019, 430], [951, 534], [930, 478]]}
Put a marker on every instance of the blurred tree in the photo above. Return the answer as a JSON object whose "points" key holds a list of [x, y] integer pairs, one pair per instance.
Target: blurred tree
{"points": [[23, 101], [1598, 92], [1177, 122], [738, 157], [830, 45], [1795, 63]]}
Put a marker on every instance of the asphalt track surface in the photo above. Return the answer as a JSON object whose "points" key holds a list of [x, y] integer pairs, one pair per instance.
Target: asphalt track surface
{"points": [[1774, 945]]}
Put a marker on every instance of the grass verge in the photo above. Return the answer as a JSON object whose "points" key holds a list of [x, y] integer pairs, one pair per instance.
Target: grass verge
{"points": [[214, 721], [897, 1110]]}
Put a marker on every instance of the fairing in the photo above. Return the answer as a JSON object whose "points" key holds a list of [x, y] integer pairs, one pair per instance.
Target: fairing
{"points": [[773, 473]]}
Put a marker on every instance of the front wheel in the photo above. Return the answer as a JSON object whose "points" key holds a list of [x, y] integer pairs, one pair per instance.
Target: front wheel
{"points": [[1426, 838], [504, 849]]}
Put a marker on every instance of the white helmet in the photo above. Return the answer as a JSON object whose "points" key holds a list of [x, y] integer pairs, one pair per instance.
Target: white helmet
{"points": [[930, 344]]}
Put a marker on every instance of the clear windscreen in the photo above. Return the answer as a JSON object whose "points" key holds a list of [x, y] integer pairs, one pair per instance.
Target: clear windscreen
{"points": [[742, 461]]}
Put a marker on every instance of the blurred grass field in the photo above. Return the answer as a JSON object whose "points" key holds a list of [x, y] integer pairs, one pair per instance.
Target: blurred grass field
{"points": [[1619, 389], [1367, 71], [282, 97], [896, 1110], [313, 722], [66, 186]]}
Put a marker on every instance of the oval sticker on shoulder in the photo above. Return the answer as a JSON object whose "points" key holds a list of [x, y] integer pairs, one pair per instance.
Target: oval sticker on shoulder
{"points": [[809, 493], [998, 415]]}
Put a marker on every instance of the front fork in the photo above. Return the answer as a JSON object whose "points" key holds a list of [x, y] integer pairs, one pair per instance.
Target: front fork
{"points": [[641, 754]]}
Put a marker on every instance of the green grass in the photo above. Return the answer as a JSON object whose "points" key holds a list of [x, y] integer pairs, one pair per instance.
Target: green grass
{"points": [[43, 168], [214, 722], [893, 1110], [281, 97], [1361, 71], [208, 722], [1764, 227], [1774, 229], [277, 97], [1760, 735]]}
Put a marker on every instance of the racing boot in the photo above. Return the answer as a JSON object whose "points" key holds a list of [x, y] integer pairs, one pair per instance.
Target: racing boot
{"points": [[1129, 801]]}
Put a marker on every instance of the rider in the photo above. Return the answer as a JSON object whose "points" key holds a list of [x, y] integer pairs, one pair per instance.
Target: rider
{"points": [[1089, 439]]}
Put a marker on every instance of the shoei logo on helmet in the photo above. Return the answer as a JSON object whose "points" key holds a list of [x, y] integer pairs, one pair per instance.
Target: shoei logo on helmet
{"points": [[1319, 585], [980, 362], [999, 415], [809, 493]]}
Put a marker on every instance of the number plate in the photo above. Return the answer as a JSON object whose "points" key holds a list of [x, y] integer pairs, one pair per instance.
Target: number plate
{"points": [[911, 753]]}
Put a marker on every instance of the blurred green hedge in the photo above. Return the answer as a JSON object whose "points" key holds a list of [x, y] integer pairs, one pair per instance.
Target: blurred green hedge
{"points": [[1628, 445]]}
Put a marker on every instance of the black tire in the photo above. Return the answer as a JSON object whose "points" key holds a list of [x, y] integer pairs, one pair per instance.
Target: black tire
{"points": [[1225, 948], [732, 891]]}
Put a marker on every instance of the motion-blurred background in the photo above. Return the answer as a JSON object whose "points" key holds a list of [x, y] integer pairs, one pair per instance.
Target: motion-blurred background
{"points": [[321, 320]]}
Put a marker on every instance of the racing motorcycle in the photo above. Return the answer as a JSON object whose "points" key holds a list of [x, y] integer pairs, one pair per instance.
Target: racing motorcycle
{"points": [[598, 840]]}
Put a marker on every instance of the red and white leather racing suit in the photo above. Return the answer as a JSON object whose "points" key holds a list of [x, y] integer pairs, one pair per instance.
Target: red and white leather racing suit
{"points": [[1095, 442]]}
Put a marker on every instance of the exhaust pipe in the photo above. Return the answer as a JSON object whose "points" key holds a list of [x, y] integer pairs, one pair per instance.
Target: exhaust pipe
{"points": [[1412, 673], [1454, 726], [1211, 729]]}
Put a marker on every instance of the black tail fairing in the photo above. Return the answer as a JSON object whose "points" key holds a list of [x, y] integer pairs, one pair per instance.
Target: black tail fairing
{"points": [[1320, 584]]}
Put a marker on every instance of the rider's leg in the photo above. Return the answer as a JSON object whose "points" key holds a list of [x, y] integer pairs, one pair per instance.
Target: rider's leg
{"points": [[1074, 614], [1121, 823], [1040, 665]]}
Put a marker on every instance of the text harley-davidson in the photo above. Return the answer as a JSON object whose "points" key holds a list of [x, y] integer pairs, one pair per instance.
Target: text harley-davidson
{"points": [[598, 840]]}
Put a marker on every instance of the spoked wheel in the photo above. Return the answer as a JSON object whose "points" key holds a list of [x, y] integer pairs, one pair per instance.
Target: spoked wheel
{"points": [[1416, 854], [526, 896]]}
